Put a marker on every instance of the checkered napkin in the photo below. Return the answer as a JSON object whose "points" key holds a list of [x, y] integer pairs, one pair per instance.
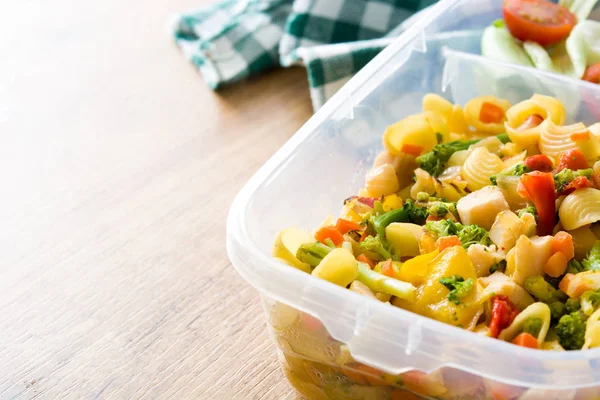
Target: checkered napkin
{"points": [[234, 39]]}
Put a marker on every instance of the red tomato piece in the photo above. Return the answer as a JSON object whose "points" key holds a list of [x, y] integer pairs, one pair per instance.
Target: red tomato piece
{"points": [[578, 183], [540, 21], [592, 73], [503, 314], [539, 162], [572, 159], [539, 188]]}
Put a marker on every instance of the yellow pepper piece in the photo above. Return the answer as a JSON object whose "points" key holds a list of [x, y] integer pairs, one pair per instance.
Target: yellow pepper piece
{"points": [[391, 202], [414, 270]]}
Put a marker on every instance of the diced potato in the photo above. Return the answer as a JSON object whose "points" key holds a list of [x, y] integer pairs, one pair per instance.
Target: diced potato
{"points": [[482, 258], [481, 206], [404, 237], [583, 241], [506, 230], [529, 224], [500, 284], [338, 267], [414, 270], [528, 257], [432, 297], [287, 243]]}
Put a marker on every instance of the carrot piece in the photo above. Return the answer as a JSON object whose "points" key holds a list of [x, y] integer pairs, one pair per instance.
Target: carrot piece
{"points": [[531, 122], [345, 226], [367, 260], [412, 149], [491, 113], [563, 242], [579, 136], [355, 376], [556, 264], [447, 241], [387, 269], [432, 217], [565, 284], [373, 375], [329, 232], [572, 159], [526, 340]]}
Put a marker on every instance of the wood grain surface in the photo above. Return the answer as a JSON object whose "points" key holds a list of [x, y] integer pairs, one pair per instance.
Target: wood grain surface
{"points": [[118, 166]]}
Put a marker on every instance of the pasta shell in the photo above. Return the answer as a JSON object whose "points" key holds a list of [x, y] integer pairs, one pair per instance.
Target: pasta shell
{"points": [[473, 109], [580, 208], [536, 310], [555, 139], [479, 167]]}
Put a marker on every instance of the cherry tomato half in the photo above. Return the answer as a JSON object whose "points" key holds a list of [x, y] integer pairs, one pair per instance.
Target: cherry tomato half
{"points": [[592, 73], [540, 21]]}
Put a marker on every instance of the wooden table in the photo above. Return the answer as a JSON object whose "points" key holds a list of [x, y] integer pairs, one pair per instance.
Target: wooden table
{"points": [[118, 166]]}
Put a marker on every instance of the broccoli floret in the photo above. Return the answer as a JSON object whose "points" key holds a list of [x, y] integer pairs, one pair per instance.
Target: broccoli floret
{"points": [[458, 287], [529, 209], [571, 331], [566, 176], [557, 309], [440, 208], [532, 325], [312, 253], [409, 212], [378, 246], [590, 301], [515, 170], [467, 234], [542, 290], [473, 234], [572, 305], [592, 261], [436, 160], [499, 266], [574, 267]]}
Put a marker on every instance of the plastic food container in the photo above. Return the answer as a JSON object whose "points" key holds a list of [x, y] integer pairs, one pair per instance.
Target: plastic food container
{"points": [[336, 344]]}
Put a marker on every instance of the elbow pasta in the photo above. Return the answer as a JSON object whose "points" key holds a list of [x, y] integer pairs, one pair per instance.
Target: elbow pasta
{"points": [[465, 209], [536, 310]]}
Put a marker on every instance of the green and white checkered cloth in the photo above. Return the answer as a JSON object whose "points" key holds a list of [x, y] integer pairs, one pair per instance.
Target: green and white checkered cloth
{"points": [[233, 39]]}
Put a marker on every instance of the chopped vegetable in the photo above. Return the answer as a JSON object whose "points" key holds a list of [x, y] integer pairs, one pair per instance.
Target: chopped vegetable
{"points": [[566, 177], [503, 314], [365, 259], [490, 113], [525, 339], [447, 241], [515, 170], [542, 290], [409, 212], [539, 188], [572, 159], [563, 242], [529, 209], [467, 234], [556, 264], [497, 43], [571, 331], [592, 73], [436, 161], [345, 226], [532, 325], [329, 232], [312, 253], [415, 269], [381, 283], [458, 287], [592, 261], [538, 162], [376, 245], [539, 21], [590, 301], [338, 267]]}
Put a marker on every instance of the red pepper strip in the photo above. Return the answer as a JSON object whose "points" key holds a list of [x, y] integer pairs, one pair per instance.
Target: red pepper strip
{"points": [[503, 314], [572, 159], [539, 188], [539, 162], [578, 183]]}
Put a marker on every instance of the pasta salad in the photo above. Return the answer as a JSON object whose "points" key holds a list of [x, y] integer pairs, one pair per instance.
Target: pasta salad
{"points": [[483, 217]]}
